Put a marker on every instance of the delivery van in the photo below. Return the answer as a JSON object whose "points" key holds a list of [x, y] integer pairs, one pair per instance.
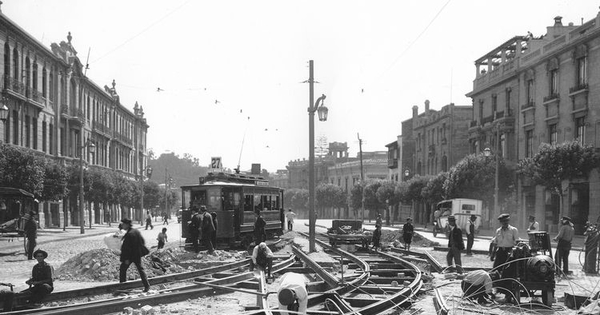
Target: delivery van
{"points": [[462, 209]]}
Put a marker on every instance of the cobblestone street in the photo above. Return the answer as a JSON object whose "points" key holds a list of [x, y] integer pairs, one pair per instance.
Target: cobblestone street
{"points": [[63, 245]]}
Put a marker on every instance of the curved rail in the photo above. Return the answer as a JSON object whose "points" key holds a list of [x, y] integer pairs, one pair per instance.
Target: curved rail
{"points": [[165, 296]]}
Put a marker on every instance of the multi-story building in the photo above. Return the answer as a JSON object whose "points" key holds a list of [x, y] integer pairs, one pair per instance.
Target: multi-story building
{"points": [[432, 142], [347, 174], [535, 90], [279, 179], [54, 109], [393, 157], [435, 140]]}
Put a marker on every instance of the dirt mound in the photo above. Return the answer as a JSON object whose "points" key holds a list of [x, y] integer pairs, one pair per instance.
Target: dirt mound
{"points": [[103, 264], [396, 236]]}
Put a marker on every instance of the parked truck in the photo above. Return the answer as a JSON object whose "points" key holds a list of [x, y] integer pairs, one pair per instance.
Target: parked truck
{"points": [[461, 208]]}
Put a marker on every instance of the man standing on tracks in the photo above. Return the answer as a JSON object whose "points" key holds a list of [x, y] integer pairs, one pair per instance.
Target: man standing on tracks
{"points": [[30, 229], [292, 294], [408, 230], [505, 238], [131, 252], [259, 228], [290, 215], [471, 234], [194, 228], [207, 228], [214, 233], [455, 244]]}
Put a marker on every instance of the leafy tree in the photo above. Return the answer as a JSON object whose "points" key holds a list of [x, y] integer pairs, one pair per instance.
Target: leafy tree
{"points": [[21, 168], [330, 196], [55, 183], [370, 195], [434, 192], [300, 199], [101, 185], [473, 177], [387, 194], [355, 198], [554, 164], [152, 194]]}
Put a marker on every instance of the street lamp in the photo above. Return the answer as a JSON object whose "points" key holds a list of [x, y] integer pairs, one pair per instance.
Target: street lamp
{"points": [[4, 116], [322, 111], [488, 152], [91, 149]]}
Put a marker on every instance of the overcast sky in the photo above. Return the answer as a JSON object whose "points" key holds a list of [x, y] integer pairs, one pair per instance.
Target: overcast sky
{"points": [[230, 73]]}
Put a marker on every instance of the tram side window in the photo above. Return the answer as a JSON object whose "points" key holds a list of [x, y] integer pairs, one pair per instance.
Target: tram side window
{"points": [[248, 203], [231, 200], [198, 198]]}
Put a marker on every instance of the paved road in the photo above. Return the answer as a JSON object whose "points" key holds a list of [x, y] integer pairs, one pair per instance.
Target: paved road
{"points": [[63, 245]]}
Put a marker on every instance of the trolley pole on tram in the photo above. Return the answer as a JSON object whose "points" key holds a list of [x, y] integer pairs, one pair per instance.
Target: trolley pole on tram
{"points": [[322, 112]]}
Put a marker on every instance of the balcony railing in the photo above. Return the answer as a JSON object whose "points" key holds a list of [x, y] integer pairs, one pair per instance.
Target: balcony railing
{"points": [[579, 87], [14, 85], [392, 163], [551, 97], [528, 105], [487, 119]]}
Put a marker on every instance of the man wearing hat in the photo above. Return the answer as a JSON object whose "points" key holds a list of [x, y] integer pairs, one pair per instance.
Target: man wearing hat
{"points": [[534, 226], [471, 234], [41, 281], [505, 238], [30, 229], [292, 294], [564, 238], [206, 229], [194, 228], [455, 244], [131, 252]]}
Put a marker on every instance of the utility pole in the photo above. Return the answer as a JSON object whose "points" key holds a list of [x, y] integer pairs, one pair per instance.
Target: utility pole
{"points": [[166, 185], [362, 176]]}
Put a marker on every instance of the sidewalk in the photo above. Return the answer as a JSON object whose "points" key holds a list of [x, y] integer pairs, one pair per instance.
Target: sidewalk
{"points": [[577, 244], [10, 244]]}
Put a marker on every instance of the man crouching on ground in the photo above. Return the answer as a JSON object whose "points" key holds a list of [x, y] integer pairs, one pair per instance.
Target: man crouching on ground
{"points": [[41, 281], [477, 285], [292, 294]]}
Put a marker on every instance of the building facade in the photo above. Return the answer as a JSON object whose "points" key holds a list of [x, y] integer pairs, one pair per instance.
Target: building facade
{"points": [[533, 90], [435, 140], [347, 174], [54, 109], [297, 170]]}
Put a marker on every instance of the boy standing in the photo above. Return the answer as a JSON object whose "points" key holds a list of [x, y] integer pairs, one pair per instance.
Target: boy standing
{"points": [[407, 233], [376, 237], [162, 238]]}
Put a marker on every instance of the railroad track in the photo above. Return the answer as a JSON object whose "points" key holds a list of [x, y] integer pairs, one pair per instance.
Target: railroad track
{"points": [[368, 282], [187, 285]]}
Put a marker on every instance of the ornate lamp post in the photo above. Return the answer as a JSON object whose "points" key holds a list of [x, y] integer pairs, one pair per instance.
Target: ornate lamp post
{"points": [[4, 116], [91, 149], [322, 111]]}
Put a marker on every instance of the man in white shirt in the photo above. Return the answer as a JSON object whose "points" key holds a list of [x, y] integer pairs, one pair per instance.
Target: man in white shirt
{"points": [[290, 216], [262, 256], [505, 238], [477, 285], [292, 294]]}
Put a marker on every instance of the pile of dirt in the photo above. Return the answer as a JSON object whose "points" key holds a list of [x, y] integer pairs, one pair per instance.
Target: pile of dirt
{"points": [[396, 237], [103, 264]]}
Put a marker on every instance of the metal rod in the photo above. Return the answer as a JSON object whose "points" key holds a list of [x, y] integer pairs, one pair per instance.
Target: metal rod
{"points": [[312, 219], [81, 201]]}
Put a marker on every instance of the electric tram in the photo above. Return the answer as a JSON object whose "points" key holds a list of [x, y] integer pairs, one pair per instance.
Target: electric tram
{"points": [[234, 198]]}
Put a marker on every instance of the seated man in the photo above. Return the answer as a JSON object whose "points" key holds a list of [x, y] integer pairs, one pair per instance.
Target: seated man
{"points": [[477, 285], [292, 293], [41, 281], [262, 257]]}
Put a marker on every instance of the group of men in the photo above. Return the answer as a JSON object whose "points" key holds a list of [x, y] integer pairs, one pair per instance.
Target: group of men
{"points": [[203, 227]]}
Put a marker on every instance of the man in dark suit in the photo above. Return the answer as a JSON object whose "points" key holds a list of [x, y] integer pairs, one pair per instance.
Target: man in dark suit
{"points": [[131, 252], [455, 244]]}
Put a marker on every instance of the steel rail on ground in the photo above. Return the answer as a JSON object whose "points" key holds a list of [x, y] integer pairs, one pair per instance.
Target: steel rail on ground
{"points": [[165, 296]]}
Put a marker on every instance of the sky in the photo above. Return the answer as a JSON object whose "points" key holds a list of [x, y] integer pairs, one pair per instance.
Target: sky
{"points": [[227, 78]]}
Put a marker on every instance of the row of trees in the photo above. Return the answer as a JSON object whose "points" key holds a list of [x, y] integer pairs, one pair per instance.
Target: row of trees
{"points": [[52, 181], [472, 177]]}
